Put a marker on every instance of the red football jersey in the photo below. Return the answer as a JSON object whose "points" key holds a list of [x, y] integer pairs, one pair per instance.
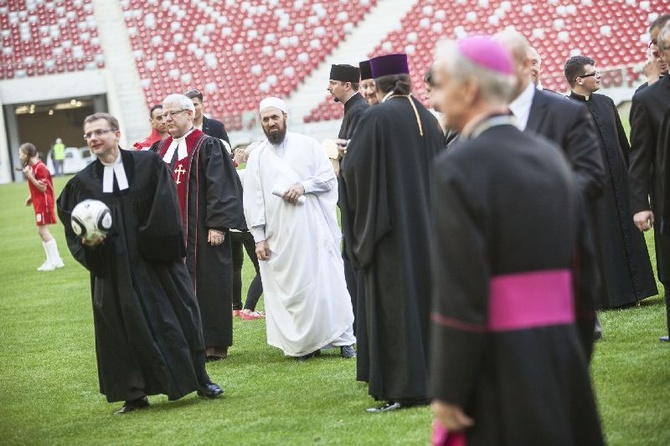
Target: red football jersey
{"points": [[43, 202]]}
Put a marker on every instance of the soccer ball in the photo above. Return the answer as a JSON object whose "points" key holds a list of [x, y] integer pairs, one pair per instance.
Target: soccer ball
{"points": [[91, 219]]}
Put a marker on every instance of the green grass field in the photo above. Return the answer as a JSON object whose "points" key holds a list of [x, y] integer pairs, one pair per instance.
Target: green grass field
{"points": [[49, 390]]}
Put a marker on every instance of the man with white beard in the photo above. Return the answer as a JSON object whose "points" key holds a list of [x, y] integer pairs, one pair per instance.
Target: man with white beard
{"points": [[290, 196]]}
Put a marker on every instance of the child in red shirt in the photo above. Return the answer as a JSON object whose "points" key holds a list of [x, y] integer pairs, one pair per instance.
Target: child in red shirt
{"points": [[42, 198]]}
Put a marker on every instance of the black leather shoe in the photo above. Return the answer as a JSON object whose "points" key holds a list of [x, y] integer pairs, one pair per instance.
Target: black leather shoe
{"points": [[347, 351], [129, 406], [309, 356], [210, 390], [388, 407], [214, 358]]}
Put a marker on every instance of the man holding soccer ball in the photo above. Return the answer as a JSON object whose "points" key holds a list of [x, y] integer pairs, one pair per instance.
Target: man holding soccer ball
{"points": [[147, 323]]}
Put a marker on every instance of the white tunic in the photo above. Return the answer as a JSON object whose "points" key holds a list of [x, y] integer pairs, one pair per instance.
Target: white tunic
{"points": [[306, 298]]}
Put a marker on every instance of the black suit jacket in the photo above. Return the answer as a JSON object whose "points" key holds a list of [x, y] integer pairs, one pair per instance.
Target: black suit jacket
{"points": [[214, 128], [647, 110], [570, 125]]}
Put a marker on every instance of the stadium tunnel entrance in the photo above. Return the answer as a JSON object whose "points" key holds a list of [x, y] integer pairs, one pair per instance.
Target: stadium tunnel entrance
{"points": [[42, 122]]}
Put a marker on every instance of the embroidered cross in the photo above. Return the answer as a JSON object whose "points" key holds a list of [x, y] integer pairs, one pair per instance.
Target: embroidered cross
{"points": [[180, 170]]}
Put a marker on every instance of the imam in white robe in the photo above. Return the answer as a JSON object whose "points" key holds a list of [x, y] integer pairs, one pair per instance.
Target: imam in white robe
{"points": [[307, 303]]}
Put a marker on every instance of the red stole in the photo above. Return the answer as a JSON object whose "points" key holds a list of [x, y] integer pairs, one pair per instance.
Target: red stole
{"points": [[181, 172]]}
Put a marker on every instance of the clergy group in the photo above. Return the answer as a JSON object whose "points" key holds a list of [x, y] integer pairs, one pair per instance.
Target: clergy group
{"points": [[478, 237]]}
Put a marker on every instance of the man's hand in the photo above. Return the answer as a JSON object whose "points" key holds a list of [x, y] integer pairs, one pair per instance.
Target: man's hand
{"points": [[644, 220], [215, 237], [342, 146], [240, 156], [263, 250], [293, 193], [29, 201], [451, 417], [93, 241]]}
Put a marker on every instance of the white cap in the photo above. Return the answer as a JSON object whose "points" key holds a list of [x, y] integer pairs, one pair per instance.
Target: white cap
{"points": [[273, 102]]}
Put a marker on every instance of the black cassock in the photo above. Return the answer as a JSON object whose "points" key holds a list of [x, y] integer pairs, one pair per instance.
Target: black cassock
{"points": [[513, 271], [384, 192], [626, 269], [353, 110], [147, 323], [213, 201]]}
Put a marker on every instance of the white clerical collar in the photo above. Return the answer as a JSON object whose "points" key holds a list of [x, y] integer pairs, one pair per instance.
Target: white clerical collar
{"points": [[178, 144], [521, 106], [112, 170]]}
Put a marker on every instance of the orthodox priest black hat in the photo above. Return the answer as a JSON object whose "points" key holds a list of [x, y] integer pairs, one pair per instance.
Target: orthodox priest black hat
{"points": [[388, 65], [344, 73], [366, 72]]}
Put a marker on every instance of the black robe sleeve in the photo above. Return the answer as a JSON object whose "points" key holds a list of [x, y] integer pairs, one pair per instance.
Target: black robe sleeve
{"points": [[461, 276], [93, 259], [364, 200], [224, 190], [664, 147], [642, 150], [160, 235], [584, 154]]}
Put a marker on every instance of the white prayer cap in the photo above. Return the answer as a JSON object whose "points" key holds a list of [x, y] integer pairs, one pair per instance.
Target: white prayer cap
{"points": [[273, 102]]}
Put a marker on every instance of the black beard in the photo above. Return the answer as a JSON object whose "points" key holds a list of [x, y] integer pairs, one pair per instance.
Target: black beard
{"points": [[276, 138]]}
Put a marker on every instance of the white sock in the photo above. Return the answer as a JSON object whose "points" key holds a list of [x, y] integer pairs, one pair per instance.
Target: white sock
{"points": [[52, 253], [47, 251]]}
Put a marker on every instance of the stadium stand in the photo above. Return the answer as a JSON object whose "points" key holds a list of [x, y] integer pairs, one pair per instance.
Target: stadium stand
{"points": [[41, 37], [612, 31], [235, 51]]}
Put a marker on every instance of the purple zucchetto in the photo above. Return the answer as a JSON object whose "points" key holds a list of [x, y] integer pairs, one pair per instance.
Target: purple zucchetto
{"points": [[487, 53], [389, 65], [366, 72]]}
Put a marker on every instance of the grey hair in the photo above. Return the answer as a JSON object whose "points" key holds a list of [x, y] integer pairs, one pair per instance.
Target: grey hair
{"points": [[183, 101], [663, 37], [494, 88]]}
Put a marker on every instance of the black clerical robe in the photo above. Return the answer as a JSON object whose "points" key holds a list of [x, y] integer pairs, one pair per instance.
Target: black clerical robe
{"points": [[385, 219], [213, 200], [647, 155], [147, 323], [512, 274], [626, 269], [353, 110]]}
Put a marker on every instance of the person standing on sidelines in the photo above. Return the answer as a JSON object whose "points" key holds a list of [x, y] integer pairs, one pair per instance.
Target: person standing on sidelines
{"points": [[42, 198], [58, 156]]}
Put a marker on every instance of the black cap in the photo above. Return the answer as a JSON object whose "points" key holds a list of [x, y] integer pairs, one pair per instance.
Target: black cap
{"points": [[344, 73]]}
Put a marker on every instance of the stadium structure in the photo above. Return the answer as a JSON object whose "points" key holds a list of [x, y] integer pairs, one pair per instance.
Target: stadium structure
{"points": [[64, 59]]}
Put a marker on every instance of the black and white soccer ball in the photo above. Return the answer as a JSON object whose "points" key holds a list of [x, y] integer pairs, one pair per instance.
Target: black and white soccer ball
{"points": [[91, 219]]}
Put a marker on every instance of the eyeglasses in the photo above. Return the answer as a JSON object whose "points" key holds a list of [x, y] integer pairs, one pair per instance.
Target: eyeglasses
{"points": [[595, 73], [173, 113], [97, 133]]}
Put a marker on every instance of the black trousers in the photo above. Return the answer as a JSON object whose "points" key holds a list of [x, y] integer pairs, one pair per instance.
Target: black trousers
{"points": [[240, 242]]}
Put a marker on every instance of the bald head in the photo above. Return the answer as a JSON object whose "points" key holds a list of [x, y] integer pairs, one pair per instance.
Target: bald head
{"points": [[519, 48]]}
